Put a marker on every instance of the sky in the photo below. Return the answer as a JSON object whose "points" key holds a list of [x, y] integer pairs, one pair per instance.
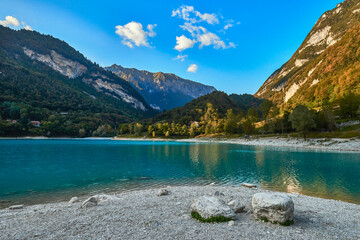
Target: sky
{"points": [[233, 45]]}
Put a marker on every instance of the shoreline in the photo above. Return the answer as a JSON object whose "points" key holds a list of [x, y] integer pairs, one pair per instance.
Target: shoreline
{"points": [[325, 144], [141, 214], [333, 144]]}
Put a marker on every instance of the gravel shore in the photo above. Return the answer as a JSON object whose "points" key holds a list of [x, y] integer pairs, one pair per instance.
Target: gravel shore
{"points": [[325, 144], [144, 215]]}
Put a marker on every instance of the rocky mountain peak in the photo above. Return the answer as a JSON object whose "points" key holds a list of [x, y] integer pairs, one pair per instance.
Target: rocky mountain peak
{"points": [[162, 90]]}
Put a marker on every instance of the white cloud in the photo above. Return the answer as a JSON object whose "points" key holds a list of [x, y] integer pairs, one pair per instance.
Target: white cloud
{"points": [[10, 21], [27, 27], [183, 43], [150, 28], [181, 57], [209, 38], [189, 14], [227, 26], [199, 33], [209, 18], [184, 13], [192, 29], [134, 34], [192, 68]]}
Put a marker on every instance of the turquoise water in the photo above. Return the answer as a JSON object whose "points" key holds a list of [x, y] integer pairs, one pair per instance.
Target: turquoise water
{"points": [[33, 171]]}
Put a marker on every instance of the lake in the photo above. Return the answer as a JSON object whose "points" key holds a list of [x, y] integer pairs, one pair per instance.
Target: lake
{"points": [[37, 171]]}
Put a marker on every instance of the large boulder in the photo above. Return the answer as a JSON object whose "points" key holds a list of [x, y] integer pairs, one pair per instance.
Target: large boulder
{"points": [[273, 207], [208, 207]]}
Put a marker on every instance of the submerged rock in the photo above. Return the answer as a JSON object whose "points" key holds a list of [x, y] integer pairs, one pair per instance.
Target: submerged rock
{"points": [[273, 207], [237, 206], [163, 192], [15, 207], [209, 207], [231, 223]]}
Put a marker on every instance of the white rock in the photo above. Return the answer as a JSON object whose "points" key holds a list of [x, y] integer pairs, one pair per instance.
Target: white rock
{"points": [[249, 185], [275, 207], [90, 202], [163, 192], [15, 207], [236, 205], [74, 200], [95, 200], [208, 207], [231, 223]]}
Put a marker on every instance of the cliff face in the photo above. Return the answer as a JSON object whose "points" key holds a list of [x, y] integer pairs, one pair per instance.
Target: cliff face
{"points": [[321, 67], [162, 90]]}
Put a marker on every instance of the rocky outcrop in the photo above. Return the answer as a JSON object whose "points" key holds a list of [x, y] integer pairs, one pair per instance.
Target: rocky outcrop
{"points": [[273, 207], [67, 67], [209, 207], [162, 90], [73, 69]]}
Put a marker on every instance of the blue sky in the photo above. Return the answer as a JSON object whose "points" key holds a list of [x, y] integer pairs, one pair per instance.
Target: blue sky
{"points": [[260, 37]]}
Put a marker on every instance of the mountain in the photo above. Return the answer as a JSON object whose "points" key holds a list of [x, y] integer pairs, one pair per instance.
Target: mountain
{"points": [[44, 75], [36, 67], [162, 90], [222, 102], [326, 65]]}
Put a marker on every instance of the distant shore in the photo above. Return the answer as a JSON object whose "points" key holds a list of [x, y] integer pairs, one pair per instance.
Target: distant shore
{"points": [[333, 144], [142, 214], [325, 144]]}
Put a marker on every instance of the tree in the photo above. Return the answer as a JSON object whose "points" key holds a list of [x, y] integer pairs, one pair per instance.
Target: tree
{"points": [[82, 133], [349, 104], [248, 126], [138, 127], [325, 120], [302, 120], [150, 130], [265, 108], [123, 129], [253, 114], [230, 126]]}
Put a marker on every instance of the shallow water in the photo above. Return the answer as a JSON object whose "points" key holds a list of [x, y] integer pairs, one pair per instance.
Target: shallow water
{"points": [[36, 171]]}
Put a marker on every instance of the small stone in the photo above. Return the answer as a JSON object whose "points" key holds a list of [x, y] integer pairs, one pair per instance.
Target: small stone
{"points": [[236, 206], [74, 200], [217, 193], [248, 185], [90, 202], [231, 223], [163, 192], [15, 207]]}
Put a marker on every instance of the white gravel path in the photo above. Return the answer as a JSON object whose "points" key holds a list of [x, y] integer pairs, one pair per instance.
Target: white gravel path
{"points": [[144, 215]]}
